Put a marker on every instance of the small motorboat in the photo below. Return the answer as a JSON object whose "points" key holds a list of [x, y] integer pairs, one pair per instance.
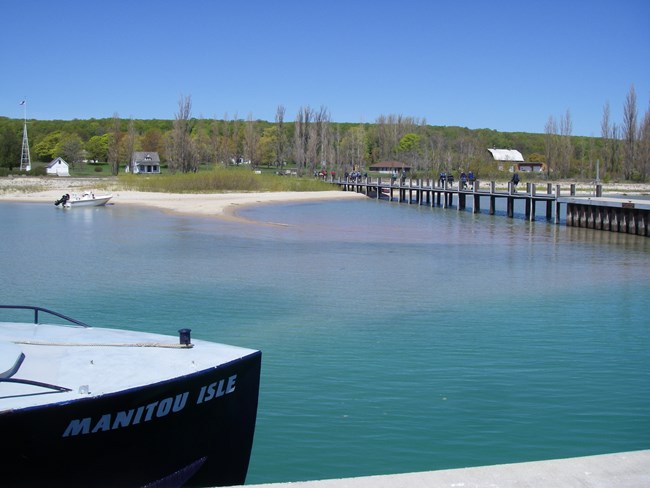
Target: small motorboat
{"points": [[85, 199], [86, 406]]}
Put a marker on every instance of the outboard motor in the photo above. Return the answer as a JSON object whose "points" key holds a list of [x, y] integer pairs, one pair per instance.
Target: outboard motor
{"points": [[62, 200]]}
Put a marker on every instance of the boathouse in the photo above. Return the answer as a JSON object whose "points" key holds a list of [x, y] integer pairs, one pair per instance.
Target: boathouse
{"points": [[512, 160], [58, 167], [143, 162]]}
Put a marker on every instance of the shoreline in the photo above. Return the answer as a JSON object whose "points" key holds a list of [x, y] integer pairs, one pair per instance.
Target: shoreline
{"points": [[220, 205]]}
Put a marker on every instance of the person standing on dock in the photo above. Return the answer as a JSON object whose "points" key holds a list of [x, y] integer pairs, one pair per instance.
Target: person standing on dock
{"points": [[463, 180], [471, 178], [515, 180]]}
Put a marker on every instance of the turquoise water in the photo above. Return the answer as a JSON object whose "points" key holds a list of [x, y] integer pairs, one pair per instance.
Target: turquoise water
{"points": [[395, 338]]}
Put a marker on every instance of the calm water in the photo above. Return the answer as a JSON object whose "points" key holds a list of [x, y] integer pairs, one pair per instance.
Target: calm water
{"points": [[396, 338]]}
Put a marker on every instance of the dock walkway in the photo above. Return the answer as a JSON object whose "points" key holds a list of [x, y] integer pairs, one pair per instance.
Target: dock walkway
{"points": [[593, 211]]}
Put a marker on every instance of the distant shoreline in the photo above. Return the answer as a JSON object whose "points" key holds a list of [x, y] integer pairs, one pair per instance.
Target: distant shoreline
{"points": [[221, 205]]}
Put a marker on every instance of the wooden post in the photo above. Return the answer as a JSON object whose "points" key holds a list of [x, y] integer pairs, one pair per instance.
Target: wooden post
{"points": [[492, 197], [557, 204]]}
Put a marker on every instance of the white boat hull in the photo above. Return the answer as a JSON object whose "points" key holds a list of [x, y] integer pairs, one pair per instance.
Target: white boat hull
{"points": [[88, 202]]}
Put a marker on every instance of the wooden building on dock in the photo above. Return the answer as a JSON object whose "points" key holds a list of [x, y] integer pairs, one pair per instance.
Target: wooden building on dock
{"points": [[388, 167]]}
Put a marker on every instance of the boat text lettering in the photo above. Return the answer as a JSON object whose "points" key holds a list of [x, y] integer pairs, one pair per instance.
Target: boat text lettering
{"points": [[216, 390], [151, 411], [126, 418]]}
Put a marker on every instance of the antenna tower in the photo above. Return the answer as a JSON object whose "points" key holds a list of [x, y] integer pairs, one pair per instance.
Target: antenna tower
{"points": [[25, 159]]}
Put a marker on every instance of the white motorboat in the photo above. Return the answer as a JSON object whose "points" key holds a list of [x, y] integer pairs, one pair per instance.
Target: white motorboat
{"points": [[84, 406], [85, 199]]}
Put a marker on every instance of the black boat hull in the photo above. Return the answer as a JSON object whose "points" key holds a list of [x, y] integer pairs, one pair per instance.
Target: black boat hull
{"points": [[196, 430]]}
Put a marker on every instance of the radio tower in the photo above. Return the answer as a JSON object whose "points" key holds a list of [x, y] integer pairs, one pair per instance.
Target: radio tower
{"points": [[25, 159]]}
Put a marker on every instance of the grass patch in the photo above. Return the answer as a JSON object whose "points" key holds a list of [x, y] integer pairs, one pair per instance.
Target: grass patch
{"points": [[220, 180]]}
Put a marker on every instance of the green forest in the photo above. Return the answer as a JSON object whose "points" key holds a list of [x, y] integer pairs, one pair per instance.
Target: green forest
{"points": [[312, 143]]}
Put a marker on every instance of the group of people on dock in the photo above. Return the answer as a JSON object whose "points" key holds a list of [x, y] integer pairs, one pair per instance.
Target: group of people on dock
{"points": [[467, 180], [355, 176]]}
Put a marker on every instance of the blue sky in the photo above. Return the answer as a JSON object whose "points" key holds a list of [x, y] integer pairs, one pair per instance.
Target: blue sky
{"points": [[503, 65]]}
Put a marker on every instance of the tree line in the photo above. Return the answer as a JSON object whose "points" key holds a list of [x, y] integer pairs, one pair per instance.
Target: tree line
{"points": [[312, 142], [622, 150]]}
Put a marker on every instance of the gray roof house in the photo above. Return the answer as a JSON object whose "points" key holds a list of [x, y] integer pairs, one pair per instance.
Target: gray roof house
{"points": [[143, 162]]}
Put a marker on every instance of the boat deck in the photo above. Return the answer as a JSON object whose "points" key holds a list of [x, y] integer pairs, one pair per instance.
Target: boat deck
{"points": [[95, 361]]}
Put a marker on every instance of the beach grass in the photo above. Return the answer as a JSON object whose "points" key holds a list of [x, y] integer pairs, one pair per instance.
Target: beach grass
{"points": [[220, 180]]}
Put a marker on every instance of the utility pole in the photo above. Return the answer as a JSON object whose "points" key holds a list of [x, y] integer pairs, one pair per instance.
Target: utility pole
{"points": [[25, 159]]}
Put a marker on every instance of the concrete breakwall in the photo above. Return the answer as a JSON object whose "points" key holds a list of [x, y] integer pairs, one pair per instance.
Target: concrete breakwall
{"points": [[626, 469]]}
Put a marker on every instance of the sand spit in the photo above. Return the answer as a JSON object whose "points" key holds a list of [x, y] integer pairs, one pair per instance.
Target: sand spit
{"points": [[222, 205]]}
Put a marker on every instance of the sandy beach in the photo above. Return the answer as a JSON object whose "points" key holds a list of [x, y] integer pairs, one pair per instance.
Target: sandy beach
{"points": [[221, 205]]}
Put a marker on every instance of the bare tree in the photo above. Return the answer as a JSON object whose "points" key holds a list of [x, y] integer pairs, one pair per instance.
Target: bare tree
{"points": [[629, 134], [644, 147], [303, 134], [129, 144], [322, 140], [550, 145], [605, 134], [181, 153], [72, 148], [565, 146], [281, 137], [114, 145], [251, 141], [353, 147]]}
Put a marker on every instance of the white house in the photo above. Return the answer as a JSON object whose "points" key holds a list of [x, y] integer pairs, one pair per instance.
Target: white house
{"points": [[144, 162], [58, 167]]}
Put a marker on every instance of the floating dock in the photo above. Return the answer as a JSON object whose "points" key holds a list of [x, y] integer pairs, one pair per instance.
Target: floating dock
{"points": [[626, 469]]}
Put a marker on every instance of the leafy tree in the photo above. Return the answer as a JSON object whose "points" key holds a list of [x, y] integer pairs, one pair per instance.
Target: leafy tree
{"points": [[409, 147], [97, 148], [10, 147], [268, 145], [45, 150]]}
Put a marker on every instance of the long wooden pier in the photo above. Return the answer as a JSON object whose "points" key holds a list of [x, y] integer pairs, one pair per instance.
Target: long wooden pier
{"points": [[592, 211]]}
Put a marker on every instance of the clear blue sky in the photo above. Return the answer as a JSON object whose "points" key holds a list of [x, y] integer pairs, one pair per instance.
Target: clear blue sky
{"points": [[503, 65]]}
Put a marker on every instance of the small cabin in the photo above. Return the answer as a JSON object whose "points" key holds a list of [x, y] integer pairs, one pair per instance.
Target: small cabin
{"points": [[58, 167], [143, 162]]}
